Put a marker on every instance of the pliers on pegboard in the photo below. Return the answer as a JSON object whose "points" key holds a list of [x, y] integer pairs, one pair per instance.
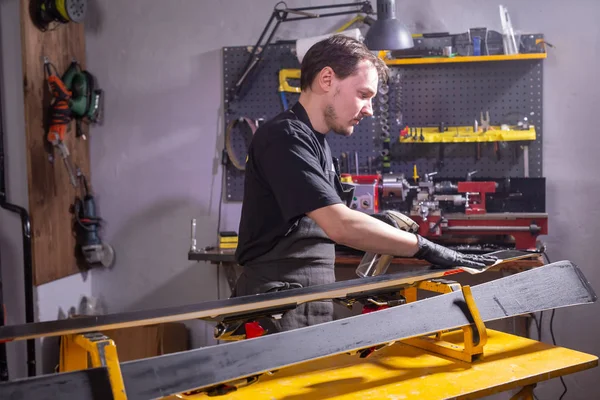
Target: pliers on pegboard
{"points": [[485, 122]]}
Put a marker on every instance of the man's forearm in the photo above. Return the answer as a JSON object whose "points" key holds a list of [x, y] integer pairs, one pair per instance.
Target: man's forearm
{"points": [[366, 233], [363, 232]]}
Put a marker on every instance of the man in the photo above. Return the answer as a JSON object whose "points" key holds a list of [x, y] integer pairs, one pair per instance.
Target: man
{"points": [[295, 209]]}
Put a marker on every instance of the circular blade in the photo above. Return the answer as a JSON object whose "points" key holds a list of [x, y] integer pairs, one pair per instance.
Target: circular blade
{"points": [[108, 256]]}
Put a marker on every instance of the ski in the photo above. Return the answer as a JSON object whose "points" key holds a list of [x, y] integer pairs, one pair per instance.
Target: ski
{"points": [[242, 308], [556, 285]]}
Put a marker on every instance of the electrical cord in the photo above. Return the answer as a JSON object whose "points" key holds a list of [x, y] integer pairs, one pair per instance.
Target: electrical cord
{"points": [[537, 325], [553, 338]]}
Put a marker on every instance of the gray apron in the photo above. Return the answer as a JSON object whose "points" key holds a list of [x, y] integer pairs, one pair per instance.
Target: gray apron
{"points": [[304, 257]]}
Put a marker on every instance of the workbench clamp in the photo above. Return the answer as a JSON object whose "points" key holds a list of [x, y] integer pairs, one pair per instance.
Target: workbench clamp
{"points": [[102, 351], [475, 334]]}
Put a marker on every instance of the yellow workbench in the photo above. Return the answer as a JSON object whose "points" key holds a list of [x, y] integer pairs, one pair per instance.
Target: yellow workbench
{"points": [[405, 372]]}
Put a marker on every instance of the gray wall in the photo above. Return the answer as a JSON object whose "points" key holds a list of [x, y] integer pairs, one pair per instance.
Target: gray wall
{"points": [[155, 160], [11, 248], [53, 298]]}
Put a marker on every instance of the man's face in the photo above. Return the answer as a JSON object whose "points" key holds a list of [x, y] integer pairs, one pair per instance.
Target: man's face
{"points": [[350, 99]]}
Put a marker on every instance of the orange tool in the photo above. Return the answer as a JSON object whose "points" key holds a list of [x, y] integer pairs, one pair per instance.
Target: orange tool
{"points": [[60, 117]]}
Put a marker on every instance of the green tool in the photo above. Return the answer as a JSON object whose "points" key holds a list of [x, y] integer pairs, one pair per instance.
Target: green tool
{"points": [[87, 101]]}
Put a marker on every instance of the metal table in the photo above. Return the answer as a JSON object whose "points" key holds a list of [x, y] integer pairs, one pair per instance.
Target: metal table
{"points": [[226, 260], [405, 372]]}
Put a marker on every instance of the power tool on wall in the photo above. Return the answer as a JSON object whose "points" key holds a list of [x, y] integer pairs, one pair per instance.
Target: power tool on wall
{"points": [[60, 118], [86, 225], [75, 96], [45, 12], [86, 103]]}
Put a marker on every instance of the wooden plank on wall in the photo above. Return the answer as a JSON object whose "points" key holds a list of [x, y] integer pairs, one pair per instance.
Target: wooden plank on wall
{"points": [[50, 190]]}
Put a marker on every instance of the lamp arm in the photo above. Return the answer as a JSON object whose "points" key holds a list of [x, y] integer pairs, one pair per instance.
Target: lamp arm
{"points": [[278, 16]]}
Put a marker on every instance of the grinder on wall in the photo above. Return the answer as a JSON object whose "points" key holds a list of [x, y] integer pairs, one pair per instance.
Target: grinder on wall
{"points": [[86, 225]]}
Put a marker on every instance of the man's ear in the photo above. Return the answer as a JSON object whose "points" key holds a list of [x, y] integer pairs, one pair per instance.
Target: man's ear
{"points": [[325, 79]]}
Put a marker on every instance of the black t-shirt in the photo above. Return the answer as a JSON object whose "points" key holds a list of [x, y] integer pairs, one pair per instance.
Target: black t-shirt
{"points": [[288, 174]]}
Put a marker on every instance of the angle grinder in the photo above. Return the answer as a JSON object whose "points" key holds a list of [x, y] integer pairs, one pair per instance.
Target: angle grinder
{"points": [[86, 225]]}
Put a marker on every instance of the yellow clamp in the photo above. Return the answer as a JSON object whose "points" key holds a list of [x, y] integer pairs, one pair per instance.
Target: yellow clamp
{"points": [[284, 75], [474, 334], [79, 350]]}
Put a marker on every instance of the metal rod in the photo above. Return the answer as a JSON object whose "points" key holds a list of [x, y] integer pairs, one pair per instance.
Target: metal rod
{"points": [[254, 56], [323, 15], [526, 161], [27, 257], [490, 228], [295, 11], [362, 4], [193, 246]]}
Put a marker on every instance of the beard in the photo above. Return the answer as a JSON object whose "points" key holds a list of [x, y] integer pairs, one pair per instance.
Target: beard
{"points": [[332, 122]]}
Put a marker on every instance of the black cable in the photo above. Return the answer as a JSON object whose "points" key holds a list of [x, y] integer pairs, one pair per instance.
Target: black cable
{"points": [[554, 342], [540, 325], [537, 325], [554, 339]]}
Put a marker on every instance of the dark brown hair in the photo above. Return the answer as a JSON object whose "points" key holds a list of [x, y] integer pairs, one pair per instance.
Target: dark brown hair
{"points": [[342, 54]]}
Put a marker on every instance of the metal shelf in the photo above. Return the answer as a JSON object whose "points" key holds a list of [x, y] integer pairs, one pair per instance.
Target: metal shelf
{"points": [[462, 59]]}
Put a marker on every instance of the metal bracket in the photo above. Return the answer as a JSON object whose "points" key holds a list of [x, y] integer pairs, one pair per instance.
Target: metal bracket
{"points": [[475, 334]]}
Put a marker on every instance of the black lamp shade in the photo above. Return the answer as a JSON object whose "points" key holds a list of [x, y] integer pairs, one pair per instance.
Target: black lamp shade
{"points": [[387, 33]]}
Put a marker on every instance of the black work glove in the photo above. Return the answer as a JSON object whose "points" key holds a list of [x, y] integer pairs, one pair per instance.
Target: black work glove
{"points": [[444, 257]]}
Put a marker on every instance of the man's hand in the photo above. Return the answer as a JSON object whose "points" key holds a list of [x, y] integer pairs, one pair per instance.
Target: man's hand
{"points": [[445, 257]]}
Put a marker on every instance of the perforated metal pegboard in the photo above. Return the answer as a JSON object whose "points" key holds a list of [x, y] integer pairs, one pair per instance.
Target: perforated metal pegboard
{"points": [[456, 94], [425, 95], [262, 100]]}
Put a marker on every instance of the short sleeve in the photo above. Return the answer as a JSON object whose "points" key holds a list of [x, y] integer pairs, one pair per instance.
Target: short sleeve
{"points": [[291, 167]]}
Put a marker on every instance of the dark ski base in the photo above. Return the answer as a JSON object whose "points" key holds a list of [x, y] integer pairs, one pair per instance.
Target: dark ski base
{"points": [[220, 309], [556, 285]]}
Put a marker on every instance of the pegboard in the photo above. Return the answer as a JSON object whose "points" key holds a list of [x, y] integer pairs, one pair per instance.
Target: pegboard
{"points": [[456, 94], [417, 95]]}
